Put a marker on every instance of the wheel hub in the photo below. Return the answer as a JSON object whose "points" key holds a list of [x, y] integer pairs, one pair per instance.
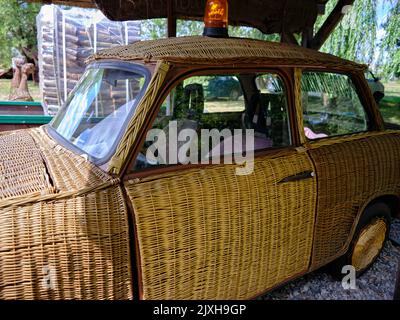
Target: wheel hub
{"points": [[369, 244]]}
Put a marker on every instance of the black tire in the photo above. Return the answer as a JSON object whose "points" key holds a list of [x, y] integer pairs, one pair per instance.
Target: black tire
{"points": [[373, 212]]}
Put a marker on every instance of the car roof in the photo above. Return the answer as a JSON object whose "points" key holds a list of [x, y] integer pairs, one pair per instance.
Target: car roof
{"points": [[217, 51]]}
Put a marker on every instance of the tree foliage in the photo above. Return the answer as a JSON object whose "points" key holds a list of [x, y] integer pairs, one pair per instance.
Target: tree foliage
{"points": [[253, 33], [157, 28], [390, 55], [153, 29], [17, 29], [355, 36]]}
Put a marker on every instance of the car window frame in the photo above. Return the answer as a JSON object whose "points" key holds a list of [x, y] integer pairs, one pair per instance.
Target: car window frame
{"points": [[286, 73], [115, 64]]}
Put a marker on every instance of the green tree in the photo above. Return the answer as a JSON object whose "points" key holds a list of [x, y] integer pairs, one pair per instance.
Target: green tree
{"points": [[17, 30], [390, 46], [189, 28], [153, 29], [157, 28], [253, 33], [355, 36]]}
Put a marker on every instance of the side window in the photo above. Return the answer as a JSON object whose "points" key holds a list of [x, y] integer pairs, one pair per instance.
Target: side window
{"points": [[271, 114], [331, 106], [217, 115]]}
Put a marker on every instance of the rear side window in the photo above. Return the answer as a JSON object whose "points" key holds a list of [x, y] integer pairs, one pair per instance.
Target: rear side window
{"points": [[331, 105], [227, 107]]}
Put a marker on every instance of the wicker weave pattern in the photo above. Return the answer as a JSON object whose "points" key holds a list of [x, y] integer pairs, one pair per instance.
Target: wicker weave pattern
{"points": [[298, 103], [138, 120], [209, 234], [31, 160], [22, 170], [349, 174], [78, 246], [68, 170], [212, 50]]}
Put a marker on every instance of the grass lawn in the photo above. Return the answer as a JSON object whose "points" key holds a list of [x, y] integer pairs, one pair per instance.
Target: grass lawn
{"points": [[5, 90], [390, 104]]}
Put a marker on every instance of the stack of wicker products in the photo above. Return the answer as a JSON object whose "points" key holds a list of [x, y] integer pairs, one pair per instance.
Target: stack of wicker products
{"points": [[66, 38]]}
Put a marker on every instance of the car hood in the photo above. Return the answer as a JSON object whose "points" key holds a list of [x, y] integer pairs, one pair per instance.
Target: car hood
{"points": [[33, 164], [22, 167]]}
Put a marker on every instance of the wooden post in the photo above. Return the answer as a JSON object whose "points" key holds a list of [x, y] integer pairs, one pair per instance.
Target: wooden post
{"points": [[306, 37], [171, 26], [329, 25], [288, 37]]}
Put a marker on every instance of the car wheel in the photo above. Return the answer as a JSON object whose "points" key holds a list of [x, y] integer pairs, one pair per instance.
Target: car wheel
{"points": [[369, 239], [235, 94]]}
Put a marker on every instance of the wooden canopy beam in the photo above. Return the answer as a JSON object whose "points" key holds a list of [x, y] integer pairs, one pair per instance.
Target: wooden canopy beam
{"points": [[329, 25], [269, 16], [306, 37], [171, 20]]}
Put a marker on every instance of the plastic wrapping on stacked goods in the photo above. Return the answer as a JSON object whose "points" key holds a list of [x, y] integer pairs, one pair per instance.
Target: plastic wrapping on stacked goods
{"points": [[66, 38]]}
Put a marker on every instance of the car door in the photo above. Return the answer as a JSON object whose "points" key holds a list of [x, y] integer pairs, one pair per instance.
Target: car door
{"points": [[355, 161], [202, 230]]}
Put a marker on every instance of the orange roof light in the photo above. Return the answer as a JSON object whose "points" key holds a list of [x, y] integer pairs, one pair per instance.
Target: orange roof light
{"points": [[216, 18]]}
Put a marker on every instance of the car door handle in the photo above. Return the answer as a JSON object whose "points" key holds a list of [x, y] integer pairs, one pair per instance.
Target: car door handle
{"points": [[299, 176]]}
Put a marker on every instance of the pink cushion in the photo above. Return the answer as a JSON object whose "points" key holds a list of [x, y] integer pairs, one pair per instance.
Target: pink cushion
{"points": [[312, 135]]}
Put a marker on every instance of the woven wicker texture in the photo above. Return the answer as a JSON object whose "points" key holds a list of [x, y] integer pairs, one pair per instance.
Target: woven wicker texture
{"points": [[298, 103], [207, 50], [31, 161], [138, 120], [350, 172], [67, 170], [369, 244], [73, 248], [67, 241], [210, 234], [22, 168]]}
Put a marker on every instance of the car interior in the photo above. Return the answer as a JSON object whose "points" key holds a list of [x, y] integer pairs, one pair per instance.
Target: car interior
{"points": [[263, 110], [331, 105]]}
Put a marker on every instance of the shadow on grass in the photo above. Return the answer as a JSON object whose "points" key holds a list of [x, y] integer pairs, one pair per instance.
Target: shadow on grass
{"points": [[390, 109]]}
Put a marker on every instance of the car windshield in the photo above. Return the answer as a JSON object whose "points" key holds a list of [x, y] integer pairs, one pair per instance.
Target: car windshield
{"points": [[99, 108]]}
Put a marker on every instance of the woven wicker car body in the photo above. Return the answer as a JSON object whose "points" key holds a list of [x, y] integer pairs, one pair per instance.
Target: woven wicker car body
{"points": [[82, 220]]}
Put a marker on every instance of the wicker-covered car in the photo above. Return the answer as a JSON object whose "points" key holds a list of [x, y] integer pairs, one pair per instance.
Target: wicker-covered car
{"points": [[85, 213]]}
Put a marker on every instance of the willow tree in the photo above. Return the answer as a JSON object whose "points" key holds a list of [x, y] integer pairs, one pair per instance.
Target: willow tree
{"points": [[391, 41], [355, 36]]}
